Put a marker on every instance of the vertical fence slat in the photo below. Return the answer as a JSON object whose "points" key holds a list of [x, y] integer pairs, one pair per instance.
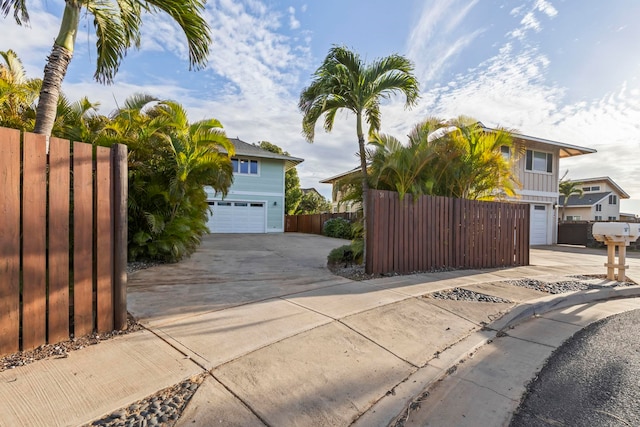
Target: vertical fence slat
{"points": [[104, 241], [34, 300], [120, 226], [83, 239], [59, 177], [9, 240]]}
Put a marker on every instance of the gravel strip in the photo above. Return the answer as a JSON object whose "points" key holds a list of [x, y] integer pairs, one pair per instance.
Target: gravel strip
{"points": [[60, 350], [162, 409], [140, 265], [562, 286], [459, 294]]}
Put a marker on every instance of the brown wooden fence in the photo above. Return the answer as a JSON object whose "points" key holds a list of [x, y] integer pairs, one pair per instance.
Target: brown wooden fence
{"points": [[312, 223], [63, 240], [439, 232]]}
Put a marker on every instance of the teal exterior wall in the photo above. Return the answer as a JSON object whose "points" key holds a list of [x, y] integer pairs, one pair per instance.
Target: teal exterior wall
{"points": [[267, 187]]}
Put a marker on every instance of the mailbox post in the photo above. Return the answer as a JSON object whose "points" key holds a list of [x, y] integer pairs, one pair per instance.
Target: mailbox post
{"points": [[616, 235]]}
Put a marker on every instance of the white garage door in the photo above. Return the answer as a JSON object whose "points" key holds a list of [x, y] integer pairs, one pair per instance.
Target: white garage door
{"points": [[237, 217], [538, 234]]}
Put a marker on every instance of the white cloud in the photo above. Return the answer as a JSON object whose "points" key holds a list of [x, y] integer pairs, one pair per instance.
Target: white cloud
{"points": [[440, 33], [294, 24]]}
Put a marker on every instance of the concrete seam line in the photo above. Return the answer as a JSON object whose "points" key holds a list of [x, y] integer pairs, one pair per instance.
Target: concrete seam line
{"points": [[263, 421], [178, 350]]}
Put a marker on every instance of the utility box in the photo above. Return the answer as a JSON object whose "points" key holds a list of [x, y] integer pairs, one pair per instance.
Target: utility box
{"points": [[616, 234]]}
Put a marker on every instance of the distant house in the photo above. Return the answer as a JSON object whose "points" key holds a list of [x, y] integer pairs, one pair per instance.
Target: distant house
{"points": [[537, 170], [629, 217], [255, 202], [600, 200]]}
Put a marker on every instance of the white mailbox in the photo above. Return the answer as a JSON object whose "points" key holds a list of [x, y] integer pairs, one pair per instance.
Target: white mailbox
{"points": [[612, 232], [616, 234]]}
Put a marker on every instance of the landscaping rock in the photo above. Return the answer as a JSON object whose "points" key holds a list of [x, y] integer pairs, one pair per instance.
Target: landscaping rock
{"points": [[459, 294]]}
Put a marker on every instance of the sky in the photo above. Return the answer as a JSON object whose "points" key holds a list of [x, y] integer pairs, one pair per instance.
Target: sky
{"points": [[565, 70]]}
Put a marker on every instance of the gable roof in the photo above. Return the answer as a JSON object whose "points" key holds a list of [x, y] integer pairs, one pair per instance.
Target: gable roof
{"points": [[566, 150], [588, 199], [623, 194], [250, 150], [340, 175]]}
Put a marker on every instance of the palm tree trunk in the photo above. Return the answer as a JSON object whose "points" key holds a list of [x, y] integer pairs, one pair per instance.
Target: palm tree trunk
{"points": [[365, 183], [54, 73], [56, 68]]}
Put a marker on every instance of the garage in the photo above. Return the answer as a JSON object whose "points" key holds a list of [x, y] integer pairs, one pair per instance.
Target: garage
{"points": [[237, 217], [538, 234]]}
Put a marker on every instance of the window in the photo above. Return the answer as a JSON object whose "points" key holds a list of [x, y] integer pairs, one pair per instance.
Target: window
{"points": [[598, 208], [595, 188], [506, 152], [573, 218], [539, 162], [613, 199], [245, 166], [612, 218], [585, 189], [598, 218]]}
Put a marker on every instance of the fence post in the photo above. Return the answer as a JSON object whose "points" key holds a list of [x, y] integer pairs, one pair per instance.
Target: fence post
{"points": [[120, 225]]}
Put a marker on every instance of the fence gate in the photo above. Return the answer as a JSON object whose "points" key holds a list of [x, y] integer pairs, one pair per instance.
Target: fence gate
{"points": [[63, 239]]}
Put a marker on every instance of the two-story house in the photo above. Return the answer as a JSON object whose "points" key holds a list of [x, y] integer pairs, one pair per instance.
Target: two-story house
{"points": [[600, 200], [255, 202], [537, 163]]}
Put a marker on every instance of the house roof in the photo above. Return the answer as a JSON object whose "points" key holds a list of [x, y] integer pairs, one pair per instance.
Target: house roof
{"points": [[623, 194], [588, 199], [339, 176], [566, 150], [250, 150]]}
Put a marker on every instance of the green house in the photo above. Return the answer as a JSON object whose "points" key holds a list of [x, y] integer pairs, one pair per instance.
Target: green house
{"points": [[255, 202]]}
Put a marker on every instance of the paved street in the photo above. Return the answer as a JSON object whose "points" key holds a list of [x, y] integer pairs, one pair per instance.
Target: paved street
{"points": [[591, 380]]}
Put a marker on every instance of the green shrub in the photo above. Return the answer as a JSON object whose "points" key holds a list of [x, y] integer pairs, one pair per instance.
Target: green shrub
{"points": [[339, 228], [341, 255]]}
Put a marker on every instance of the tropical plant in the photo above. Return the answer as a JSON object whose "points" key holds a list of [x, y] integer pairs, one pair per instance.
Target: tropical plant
{"points": [[18, 94], [339, 228], [468, 161], [567, 189], [292, 191], [312, 203], [170, 162], [344, 81], [117, 25]]}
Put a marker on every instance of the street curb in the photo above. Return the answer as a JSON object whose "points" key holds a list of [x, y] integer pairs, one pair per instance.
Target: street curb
{"points": [[390, 407], [543, 305]]}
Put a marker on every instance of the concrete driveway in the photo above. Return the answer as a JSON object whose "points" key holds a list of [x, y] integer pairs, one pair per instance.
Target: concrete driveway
{"points": [[230, 270]]}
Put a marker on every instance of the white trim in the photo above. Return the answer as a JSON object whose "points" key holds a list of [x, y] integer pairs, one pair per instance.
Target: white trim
{"points": [[538, 193], [255, 193]]}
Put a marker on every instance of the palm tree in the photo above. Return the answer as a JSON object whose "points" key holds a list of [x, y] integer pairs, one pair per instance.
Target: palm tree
{"points": [[344, 81], [470, 164], [18, 93], [567, 189], [117, 27]]}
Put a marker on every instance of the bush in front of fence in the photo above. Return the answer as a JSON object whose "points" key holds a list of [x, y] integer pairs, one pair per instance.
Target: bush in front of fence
{"points": [[347, 254], [339, 228]]}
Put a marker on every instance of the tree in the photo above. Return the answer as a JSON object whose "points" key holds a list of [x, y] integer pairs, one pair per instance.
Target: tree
{"points": [[117, 25], [18, 93], [292, 192], [312, 203], [344, 81], [567, 189], [468, 161], [170, 162]]}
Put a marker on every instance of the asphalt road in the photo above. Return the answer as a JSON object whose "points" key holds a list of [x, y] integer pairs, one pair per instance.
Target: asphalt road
{"points": [[593, 379]]}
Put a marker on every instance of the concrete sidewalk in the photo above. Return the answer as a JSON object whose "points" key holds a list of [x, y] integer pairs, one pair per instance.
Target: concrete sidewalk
{"points": [[332, 352]]}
